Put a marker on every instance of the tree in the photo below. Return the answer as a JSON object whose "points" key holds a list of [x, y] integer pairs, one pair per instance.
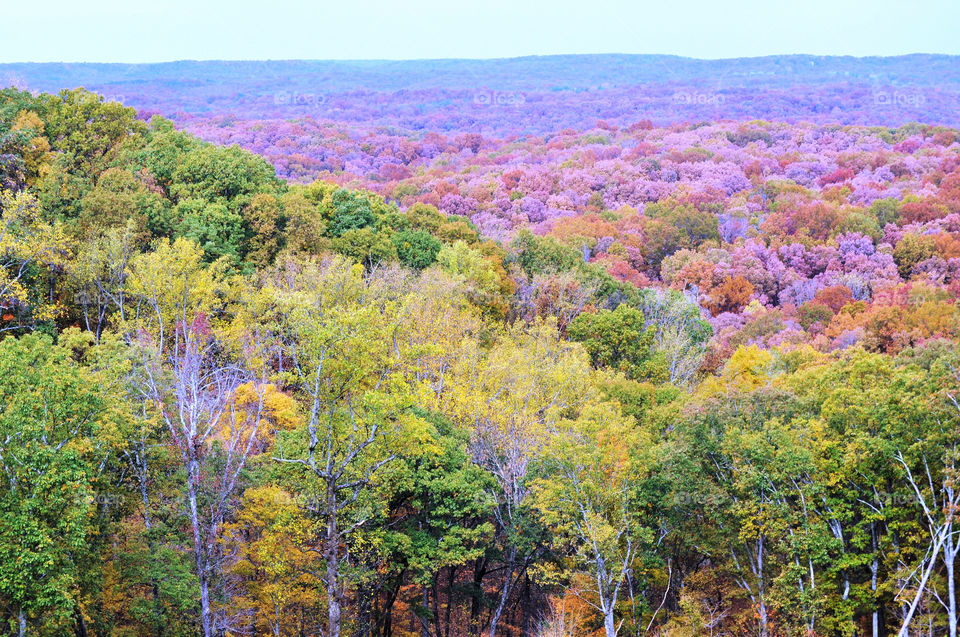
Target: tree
{"points": [[118, 200], [218, 230], [216, 174], [266, 222], [99, 274], [681, 332], [588, 497], [416, 248], [669, 227], [510, 398], [87, 130], [337, 334], [438, 519], [55, 429], [927, 450], [198, 391], [32, 251], [366, 245], [484, 281], [911, 250], [145, 582], [349, 211], [538, 255], [272, 537], [25, 151], [618, 339], [731, 295]]}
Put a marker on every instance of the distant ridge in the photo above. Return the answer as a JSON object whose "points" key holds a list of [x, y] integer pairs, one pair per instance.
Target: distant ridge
{"points": [[539, 94], [580, 71]]}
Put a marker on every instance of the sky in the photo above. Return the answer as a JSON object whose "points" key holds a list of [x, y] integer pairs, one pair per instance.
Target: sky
{"points": [[166, 30]]}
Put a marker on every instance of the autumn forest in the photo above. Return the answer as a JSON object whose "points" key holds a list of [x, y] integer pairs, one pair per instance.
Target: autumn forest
{"points": [[280, 374]]}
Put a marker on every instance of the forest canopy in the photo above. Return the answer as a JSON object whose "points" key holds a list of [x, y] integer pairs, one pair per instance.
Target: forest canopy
{"points": [[719, 398]]}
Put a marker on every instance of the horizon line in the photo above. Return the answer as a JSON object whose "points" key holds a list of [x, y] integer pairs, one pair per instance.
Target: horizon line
{"points": [[489, 59]]}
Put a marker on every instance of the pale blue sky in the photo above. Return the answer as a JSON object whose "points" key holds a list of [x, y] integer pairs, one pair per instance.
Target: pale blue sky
{"points": [[163, 30]]}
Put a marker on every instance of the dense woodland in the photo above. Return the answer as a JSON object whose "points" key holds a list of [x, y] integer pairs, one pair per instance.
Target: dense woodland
{"points": [[692, 380]]}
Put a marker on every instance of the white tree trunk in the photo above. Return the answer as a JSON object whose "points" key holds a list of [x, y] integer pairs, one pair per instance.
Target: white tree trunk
{"points": [[199, 549], [609, 626]]}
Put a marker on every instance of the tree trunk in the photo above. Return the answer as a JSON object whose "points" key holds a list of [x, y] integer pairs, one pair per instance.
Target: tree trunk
{"points": [[383, 621], [609, 625], [951, 590], [333, 565], [874, 572], [905, 627], [875, 615], [479, 571], [436, 606], [143, 472], [452, 576], [527, 604], [763, 620], [364, 607], [22, 624], [193, 478], [505, 593], [81, 629], [425, 608]]}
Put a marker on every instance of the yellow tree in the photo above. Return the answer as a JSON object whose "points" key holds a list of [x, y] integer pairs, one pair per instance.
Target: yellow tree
{"points": [[32, 251], [439, 323], [36, 148], [272, 539], [510, 397], [99, 273], [589, 496], [341, 335]]}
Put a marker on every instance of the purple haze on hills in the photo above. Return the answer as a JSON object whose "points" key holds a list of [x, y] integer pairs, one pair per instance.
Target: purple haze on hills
{"points": [[532, 95]]}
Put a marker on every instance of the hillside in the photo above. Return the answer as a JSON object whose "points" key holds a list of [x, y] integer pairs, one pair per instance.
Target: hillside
{"points": [[518, 348]]}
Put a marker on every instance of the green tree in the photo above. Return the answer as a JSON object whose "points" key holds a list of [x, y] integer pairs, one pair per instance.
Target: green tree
{"points": [[538, 255], [55, 429], [88, 131], [416, 249], [618, 339], [366, 245], [218, 230], [438, 518], [213, 173], [349, 211], [119, 199]]}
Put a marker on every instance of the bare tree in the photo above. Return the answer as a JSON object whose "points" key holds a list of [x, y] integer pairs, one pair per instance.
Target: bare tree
{"points": [[196, 395], [937, 492], [208, 396]]}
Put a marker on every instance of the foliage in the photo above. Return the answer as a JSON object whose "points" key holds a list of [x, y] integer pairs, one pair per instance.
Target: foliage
{"points": [[691, 379]]}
